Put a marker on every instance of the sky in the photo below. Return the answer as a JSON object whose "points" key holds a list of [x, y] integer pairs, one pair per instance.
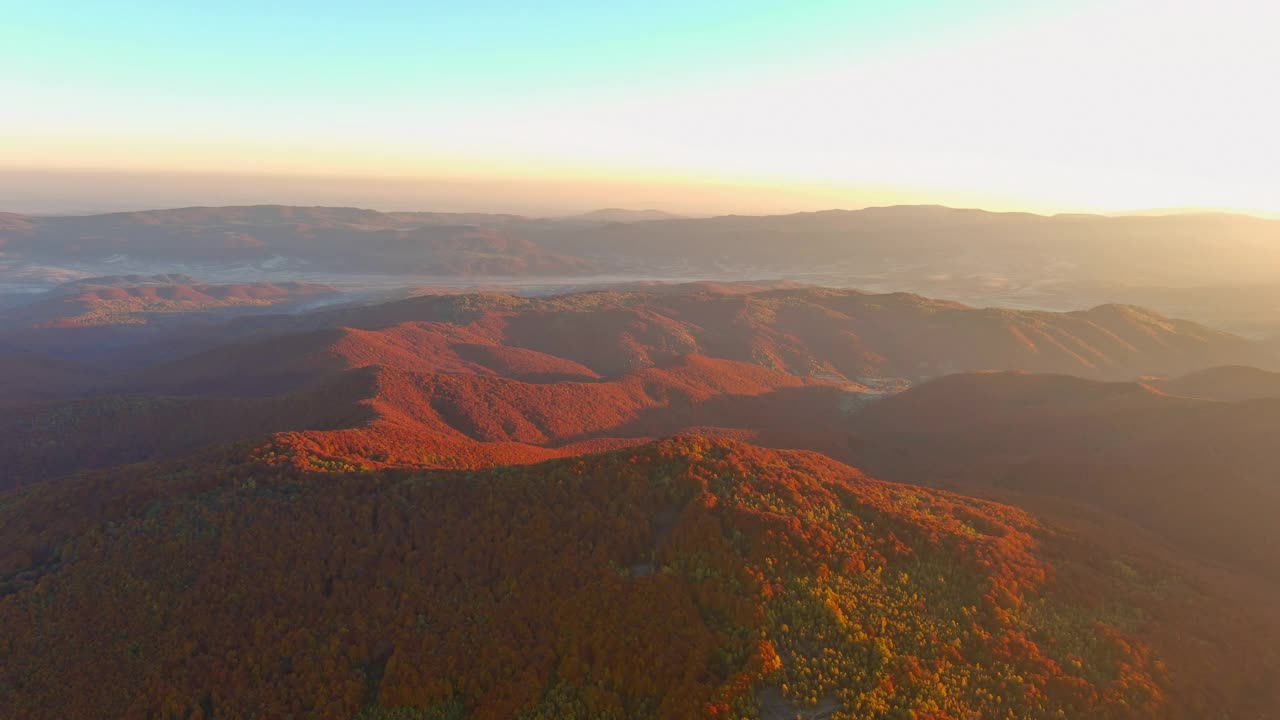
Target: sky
{"points": [[693, 106]]}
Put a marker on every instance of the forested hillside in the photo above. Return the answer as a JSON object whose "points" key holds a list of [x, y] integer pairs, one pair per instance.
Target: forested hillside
{"points": [[690, 578]]}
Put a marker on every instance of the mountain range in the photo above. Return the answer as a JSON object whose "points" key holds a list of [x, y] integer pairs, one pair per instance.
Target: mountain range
{"points": [[1215, 268], [967, 244], [154, 334], [704, 500]]}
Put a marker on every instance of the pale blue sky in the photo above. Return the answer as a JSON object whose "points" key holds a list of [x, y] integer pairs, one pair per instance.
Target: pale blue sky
{"points": [[1040, 104], [348, 51]]}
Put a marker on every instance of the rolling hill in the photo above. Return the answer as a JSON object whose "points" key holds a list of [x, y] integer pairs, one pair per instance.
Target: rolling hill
{"points": [[452, 421], [691, 578], [103, 324], [480, 380], [920, 247], [838, 335], [916, 245], [1228, 383], [1198, 473], [1214, 268], [454, 506], [137, 299], [271, 237]]}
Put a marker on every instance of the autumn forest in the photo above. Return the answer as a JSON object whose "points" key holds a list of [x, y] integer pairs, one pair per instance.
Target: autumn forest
{"points": [[684, 501]]}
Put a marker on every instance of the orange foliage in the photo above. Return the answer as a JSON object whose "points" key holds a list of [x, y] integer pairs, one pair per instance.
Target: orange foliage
{"points": [[668, 581]]}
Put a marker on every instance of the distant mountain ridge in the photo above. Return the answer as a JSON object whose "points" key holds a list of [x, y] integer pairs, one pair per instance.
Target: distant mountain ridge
{"points": [[289, 238], [128, 299], [959, 242], [621, 215], [917, 247]]}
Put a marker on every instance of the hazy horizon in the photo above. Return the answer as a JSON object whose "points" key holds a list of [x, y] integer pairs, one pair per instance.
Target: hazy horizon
{"points": [[84, 191], [701, 108], [96, 191]]}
